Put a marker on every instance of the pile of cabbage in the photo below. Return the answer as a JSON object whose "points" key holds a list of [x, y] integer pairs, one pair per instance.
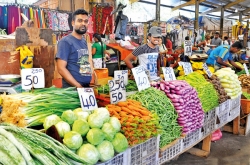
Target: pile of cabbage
{"points": [[93, 136]]}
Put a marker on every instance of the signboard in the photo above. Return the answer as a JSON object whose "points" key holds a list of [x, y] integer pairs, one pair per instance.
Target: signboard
{"points": [[122, 74], [246, 69], [87, 99], [168, 73], [117, 90], [141, 78], [186, 67], [187, 48], [32, 78], [207, 70]]}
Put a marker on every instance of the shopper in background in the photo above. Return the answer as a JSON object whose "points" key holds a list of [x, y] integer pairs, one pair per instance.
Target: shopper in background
{"points": [[99, 52], [148, 54], [162, 51], [169, 45], [226, 41], [216, 40], [196, 39], [72, 64], [223, 53]]}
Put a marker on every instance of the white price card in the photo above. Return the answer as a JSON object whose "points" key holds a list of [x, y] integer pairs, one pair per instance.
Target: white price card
{"points": [[141, 78], [122, 74], [187, 48], [117, 91], [209, 73], [246, 69], [168, 73], [87, 99], [186, 67], [32, 77]]}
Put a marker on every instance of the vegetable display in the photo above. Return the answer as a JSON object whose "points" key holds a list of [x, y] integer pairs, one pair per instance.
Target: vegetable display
{"points": [[219, 88], [229, 80], [242, 72], [157, 102], [185, 101], [206, 92], [21, 146], [31, 108], [130, 87], [138, 123], [87, 137], [245, 81], [247, 95]]}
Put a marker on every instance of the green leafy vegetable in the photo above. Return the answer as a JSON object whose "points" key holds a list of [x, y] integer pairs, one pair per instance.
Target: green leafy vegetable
{"points": [[69, 116], [95, 136], [81, 126], [62, 128], [72, 140], [115, 123], [106, 150], [120, 143], [108, 131], [51, 120], [89, 153]]}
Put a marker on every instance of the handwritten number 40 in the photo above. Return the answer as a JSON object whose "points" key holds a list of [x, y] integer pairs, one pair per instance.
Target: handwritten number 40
{"points": [[88, 102]]}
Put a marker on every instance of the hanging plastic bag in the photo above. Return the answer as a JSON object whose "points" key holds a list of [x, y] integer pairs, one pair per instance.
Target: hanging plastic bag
{"points": [[216, 135], [26, 57]]}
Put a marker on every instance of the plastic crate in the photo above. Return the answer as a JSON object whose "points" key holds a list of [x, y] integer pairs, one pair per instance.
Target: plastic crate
{"points": [[208, 128], [151, 159], [120, 159], [210, 115], [191, 138], [223, 108], [171, 152], [235, 102], [140, 152], [222, 120], [233, 113]]}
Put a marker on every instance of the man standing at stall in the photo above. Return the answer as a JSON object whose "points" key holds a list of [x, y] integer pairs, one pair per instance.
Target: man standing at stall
{"points": [[73, 61], [148, 54], [216, 40], [223, 53]]}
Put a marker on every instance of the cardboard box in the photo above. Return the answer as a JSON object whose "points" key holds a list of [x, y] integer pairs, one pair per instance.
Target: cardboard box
{"points": [[7, 44]]}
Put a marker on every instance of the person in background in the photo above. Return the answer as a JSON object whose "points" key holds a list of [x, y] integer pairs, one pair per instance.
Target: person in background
{"points": [[205, 42], [162, 51], [99, 52], [196, 39], [226, 41], [70, 60], [223, 53], [216, 40], [148, 54], [169, 45]]}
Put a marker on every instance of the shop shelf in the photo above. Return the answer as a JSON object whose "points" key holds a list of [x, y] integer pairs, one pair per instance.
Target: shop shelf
{"points": [[171, 152], [208, 128], [191, 138], [139, 153], [233, 113], [223, 108], [210, 115], [120, 159], [235, 102]]}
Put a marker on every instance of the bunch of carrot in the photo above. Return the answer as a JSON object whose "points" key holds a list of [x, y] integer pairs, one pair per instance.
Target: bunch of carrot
{"points": [[138, 123]]}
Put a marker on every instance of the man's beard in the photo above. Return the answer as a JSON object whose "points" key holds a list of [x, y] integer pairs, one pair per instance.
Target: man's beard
{"points": [[78, 31]]}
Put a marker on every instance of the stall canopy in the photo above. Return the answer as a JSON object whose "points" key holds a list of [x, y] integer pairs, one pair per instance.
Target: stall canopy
{"points": [[213, 23], [27, 2]]}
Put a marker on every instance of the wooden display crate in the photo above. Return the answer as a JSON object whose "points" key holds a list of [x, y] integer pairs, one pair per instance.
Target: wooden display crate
{"points": [[245, 105]]}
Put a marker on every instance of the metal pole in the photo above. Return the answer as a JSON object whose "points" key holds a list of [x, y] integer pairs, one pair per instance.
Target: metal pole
{"points": [[157, 14], [196, 24], [222, 20], [240, 17]]}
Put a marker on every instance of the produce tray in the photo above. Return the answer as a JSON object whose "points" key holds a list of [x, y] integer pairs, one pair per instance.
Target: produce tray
{"points": [[233, 113], [191, 138], [210, 115], [235, 102], [223, 108], [151, 159], [208, 128], [171, 152], [139, 153], [222, 119], [119, 159]]}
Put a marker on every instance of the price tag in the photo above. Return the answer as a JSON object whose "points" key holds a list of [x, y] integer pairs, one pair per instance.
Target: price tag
{"points": [[187, 48], [141, 78], [186, 67], [122, 74], [247, 72], [168, 73], [87, 99], [117, 91], [33, 77], [207, 70]]}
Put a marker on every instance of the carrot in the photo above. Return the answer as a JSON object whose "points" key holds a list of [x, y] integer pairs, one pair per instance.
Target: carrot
{"points": [[122, 103], [118, 109], [111, 106], [139, 110], [129, 111], [134, 101], [147, 118]]}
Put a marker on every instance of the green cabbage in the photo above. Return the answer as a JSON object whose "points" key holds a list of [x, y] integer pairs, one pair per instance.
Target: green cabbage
{"points": [[72, 140], [103, 113], [95, 136], [120, 143], [106, 150], [62, 128], [50, 120], [115, 124], [81, 126], [95, 121], [89, 153], [82, 115], [69, 116], [108, 131], [77, 110]]}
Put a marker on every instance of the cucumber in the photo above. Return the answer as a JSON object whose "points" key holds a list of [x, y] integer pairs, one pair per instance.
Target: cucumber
{"points": [[5, 159], [8, 148]]}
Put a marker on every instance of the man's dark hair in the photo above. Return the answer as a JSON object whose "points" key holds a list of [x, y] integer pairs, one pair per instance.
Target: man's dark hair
{"points": [[217, 33], [237, 45], [211, 37], [225, 37], [78, 12], [149, 34], [187, 38]]}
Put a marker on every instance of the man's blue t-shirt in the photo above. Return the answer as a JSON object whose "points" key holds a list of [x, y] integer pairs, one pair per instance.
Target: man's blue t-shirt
{"points": [[222, 52], [68, 50]]}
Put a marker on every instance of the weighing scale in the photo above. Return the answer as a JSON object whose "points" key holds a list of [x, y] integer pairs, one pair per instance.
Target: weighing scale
{"points": [[11, 89]]}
